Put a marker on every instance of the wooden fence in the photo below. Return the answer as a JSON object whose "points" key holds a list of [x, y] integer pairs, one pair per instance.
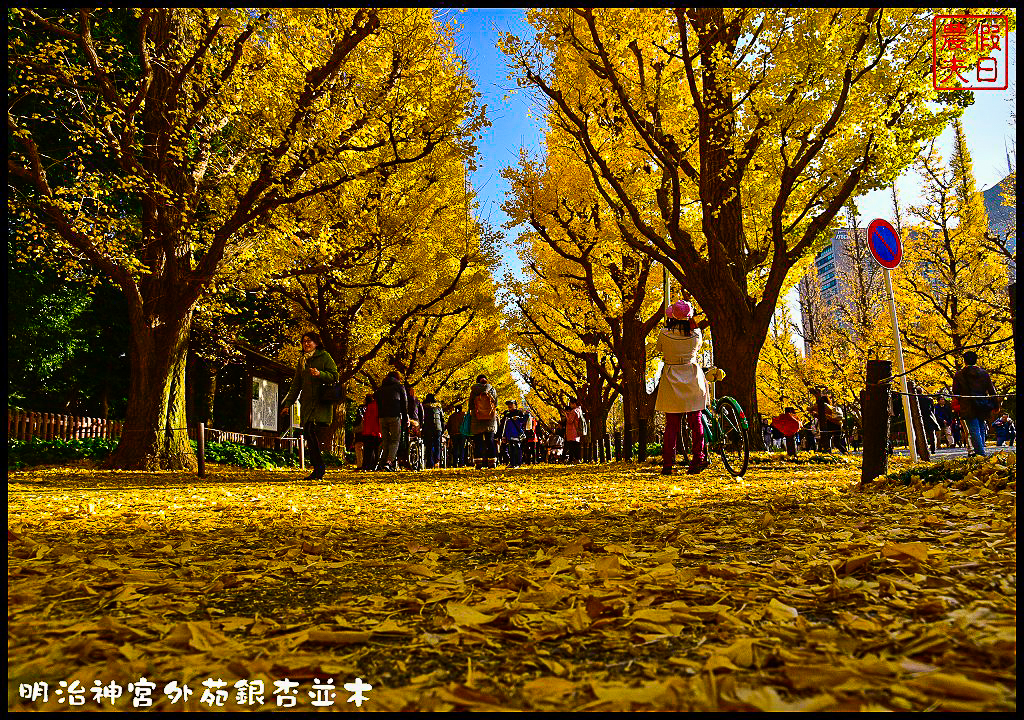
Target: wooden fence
{"points": [[258, 441], [50, 426]]}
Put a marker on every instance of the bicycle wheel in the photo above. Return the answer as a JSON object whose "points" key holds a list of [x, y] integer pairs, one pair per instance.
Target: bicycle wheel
{"points": [[683, 444], [415, 454], [733, 446]]}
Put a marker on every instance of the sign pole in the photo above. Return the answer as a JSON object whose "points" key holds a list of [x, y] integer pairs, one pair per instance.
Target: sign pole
{"points": [[904, 395], [887, 248]]}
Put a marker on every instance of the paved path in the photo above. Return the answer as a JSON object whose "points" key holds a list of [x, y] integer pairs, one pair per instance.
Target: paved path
{"points": [[948, 453]]}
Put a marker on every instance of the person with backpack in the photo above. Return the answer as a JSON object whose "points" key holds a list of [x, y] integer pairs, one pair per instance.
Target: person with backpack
{"points": [[433, 429], [457, 456], [483, 404], [513, 432], [573, 431], [978, 401], [315, 371]]}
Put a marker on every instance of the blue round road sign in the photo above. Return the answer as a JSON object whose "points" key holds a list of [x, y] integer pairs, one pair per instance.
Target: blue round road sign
{"points": [[885, 244]]}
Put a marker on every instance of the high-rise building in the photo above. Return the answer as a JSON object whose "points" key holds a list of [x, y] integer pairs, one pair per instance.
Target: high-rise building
{"points": [[822, 287], [1002, 220]]}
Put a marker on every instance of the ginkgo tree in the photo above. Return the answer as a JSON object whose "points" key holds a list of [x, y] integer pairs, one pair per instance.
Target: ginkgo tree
{"points": [[398, 276], [755, 127], [951, 289], [590, 292], [157, 147]]}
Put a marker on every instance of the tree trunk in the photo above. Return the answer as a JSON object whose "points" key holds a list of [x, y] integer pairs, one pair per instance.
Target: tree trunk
{"points": [[736, 348], [155, 434]]}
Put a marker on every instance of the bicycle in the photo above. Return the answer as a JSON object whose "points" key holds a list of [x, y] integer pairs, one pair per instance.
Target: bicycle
{"points": [[725, 432]]}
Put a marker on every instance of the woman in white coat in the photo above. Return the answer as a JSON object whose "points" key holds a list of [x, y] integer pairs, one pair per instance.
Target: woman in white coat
{"points": [[683, 389]]}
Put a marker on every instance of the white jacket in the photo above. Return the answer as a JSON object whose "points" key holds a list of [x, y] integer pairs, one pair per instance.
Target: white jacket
{"points": [[683, 388]]}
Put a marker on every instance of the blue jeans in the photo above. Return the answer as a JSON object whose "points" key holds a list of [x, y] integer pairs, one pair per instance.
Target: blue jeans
{"points": [[433, 443], [976, 428]]}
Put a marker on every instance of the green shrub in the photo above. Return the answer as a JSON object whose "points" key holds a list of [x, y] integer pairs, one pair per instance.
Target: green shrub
{"points": [[36, 451], [25, 453], [947, 471], [652, 449], [767, 458]]}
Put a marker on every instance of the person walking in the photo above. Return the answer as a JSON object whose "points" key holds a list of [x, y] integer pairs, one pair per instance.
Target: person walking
{"points": [[682, 389], [573, 432], [315, 370], [1006, 432], [530, 444], [392, 412], [828, 425], [513, 432], [433, 429], [788, 426], [929, 423], [457, 457], [973, 387], [370, 434], [482, 405], [944, 419]]}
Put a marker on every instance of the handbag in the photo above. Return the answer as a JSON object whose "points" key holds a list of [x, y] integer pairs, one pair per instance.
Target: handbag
{"points": [[467, 425]]}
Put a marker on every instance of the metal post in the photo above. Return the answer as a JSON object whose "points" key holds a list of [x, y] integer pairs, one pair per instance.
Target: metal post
{"points": [[201, 449], [642, 440], [905, 395]]}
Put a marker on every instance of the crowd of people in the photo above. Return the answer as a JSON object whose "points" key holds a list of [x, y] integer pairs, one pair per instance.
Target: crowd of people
{"points": [[392, 417], [476, 434], [962, 418]]}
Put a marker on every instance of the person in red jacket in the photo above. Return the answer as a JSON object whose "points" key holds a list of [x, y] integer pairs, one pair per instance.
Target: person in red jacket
{"points": [[371, 434]]}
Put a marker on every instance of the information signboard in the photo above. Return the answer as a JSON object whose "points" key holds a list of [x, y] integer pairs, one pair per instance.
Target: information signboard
{"points": [[264, 404]]}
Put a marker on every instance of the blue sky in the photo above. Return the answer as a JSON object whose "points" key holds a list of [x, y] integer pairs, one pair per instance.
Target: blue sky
{"points": [[989, 126]]}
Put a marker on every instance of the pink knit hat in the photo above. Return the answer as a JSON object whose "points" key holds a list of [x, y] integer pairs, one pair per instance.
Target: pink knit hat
{"points": [[680, 310]]}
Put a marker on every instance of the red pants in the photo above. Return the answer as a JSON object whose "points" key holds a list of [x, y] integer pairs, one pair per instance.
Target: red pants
{"points": [[672, 423]]}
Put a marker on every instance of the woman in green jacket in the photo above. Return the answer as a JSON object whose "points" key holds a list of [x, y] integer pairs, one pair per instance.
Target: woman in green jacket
{"points": [[315, 371]]}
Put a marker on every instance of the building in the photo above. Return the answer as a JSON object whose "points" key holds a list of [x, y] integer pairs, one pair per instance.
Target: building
{"points": [[822, 286], [1002, 219]]}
